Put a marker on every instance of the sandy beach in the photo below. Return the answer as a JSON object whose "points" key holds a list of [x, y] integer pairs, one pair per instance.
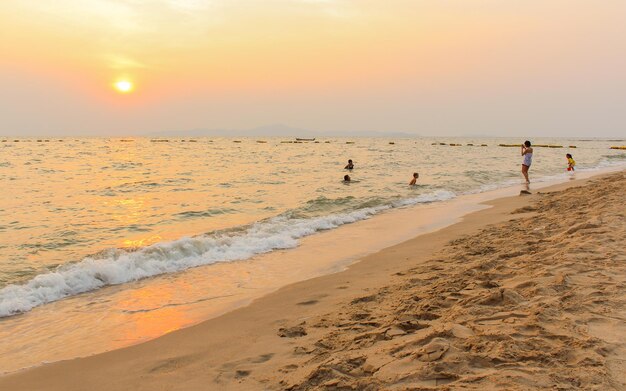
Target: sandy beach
{"points": [[312, 195], [525, 295]]}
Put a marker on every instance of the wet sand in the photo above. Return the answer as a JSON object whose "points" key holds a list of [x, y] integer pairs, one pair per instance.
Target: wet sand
{"points": [[525, 295]]}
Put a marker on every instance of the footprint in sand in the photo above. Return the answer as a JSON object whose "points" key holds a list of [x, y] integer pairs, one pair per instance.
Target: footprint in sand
{"points": [[172, 364], [434, 350], [291, 332], [364, 299], [241, 374]]}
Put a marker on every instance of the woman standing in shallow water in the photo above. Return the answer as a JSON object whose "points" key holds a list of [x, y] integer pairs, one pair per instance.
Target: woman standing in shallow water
{"points": [[527, 156]]}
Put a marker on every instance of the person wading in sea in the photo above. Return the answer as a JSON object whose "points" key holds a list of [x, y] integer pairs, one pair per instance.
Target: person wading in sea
{"points": [[527, 156]]}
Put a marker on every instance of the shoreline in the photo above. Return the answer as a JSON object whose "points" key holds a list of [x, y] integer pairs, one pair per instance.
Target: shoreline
{"points": [[138, 312], [181, 350], [94, 284]]}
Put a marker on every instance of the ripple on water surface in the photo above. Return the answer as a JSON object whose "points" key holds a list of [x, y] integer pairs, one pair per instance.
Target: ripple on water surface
{"points": [[90, 196]]}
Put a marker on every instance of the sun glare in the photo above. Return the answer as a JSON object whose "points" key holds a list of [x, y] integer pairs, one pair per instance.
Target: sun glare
{"points": [[124, 86]]}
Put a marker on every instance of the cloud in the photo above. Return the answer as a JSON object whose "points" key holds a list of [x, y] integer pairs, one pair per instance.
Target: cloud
{"points": [[119, 15], [189, 5], [120, 62], [332, 8]]}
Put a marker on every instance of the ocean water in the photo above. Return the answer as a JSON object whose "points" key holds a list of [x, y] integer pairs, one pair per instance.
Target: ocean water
{"points": [[78, 215], [105, 243]]}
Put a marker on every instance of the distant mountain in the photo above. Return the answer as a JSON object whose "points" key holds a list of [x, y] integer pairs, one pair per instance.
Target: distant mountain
{"points": [[277, 130]]}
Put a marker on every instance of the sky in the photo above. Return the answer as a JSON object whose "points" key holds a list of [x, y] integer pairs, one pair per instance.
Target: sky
{"points": [[431, 67]]}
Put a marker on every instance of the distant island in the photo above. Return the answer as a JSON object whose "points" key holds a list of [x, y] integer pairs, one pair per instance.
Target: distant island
{"points": [[278, 130]]}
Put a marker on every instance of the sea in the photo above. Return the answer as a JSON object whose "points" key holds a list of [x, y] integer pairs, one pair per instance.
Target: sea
{"points": [[107, 242]]}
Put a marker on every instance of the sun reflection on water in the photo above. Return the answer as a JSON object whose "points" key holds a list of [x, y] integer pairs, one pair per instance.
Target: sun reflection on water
{"points": [[142, 242], [153, 311]]}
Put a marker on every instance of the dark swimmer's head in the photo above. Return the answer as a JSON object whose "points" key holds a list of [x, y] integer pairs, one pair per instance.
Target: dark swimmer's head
{"points": [[346, 178]]}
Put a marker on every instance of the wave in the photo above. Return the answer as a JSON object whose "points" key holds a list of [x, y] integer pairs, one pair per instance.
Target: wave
{"points": [[607, 162], [118, 266], [614, 158], [193, 214]]}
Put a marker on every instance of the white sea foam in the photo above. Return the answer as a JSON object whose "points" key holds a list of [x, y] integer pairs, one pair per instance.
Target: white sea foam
{"points": [[559, 177], [439, 195], [119, 266]]}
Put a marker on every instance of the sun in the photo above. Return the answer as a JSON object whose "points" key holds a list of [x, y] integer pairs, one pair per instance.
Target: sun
{"points": [[124, 86]]}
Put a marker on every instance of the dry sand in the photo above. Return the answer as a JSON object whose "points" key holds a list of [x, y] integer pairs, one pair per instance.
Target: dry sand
{"points": [[526, 295]]}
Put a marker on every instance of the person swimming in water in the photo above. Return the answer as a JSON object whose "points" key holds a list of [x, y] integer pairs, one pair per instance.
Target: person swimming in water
{"points": [[414, 180], [346, 178], [350, 165], [527, 156]]}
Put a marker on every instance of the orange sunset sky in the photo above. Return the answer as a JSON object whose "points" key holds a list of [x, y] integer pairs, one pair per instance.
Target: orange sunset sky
{"points": [[455, 67]]}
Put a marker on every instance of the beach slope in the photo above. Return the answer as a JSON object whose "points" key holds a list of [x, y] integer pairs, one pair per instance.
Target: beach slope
{"points": [[528, 294]]}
